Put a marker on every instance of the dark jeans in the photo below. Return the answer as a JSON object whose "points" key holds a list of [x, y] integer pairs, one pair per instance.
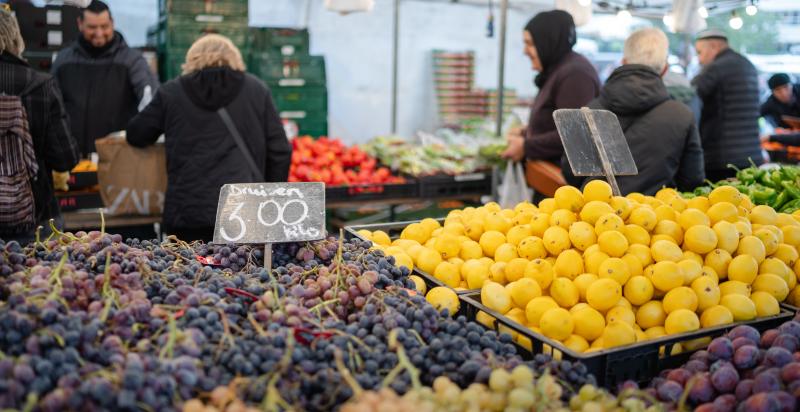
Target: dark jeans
{"points": [[29, 237]]}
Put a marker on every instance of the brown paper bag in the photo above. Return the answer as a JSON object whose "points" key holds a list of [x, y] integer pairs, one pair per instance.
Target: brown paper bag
{"points": [[132, 180]]}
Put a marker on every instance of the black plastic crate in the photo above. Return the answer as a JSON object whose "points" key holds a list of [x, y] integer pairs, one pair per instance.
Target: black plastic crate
{"points": [[377, 191], [479, 183], [638, 362]]}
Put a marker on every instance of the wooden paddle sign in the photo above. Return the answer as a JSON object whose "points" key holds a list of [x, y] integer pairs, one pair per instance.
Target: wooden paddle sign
{"points": [[266, 213]]}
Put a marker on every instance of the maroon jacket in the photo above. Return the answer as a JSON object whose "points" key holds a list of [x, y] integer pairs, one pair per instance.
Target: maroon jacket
{"points": [[572, 84]]}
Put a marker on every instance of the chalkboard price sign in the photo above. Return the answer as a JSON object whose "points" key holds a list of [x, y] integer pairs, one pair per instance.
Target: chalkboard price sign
{"points": [[254, 213]]}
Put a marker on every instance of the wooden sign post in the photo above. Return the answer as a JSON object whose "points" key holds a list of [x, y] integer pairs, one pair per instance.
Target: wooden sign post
{"points": [[267, 213]]}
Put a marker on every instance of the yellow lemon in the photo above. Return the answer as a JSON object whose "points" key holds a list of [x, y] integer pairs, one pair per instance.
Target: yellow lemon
{"points": [[416, 232], [655, 332], [716, 315], [496, 297], [610, 221], [532, 248], [582, 282], [622, 207], [665, 212], [541, 271], [537, 307], [791, 235], [693, 217], [515, 269], [700, 239], [763, 215], [644, 217], [766, 304], [669, 228], [643, 252], [496, 221], [490, 241], [569, 264], [485, 319], [681, 321], [615, 268], [651, 314], [523, 218], [635, 267], [774, 266], [556, 324], [516, 234], [667, 275], [564, 292], [380, 237], [428, 260], [505, 252], [569, 197], [451, 228], [582, 235], [636, 197], [637, 235], [404, 260], [448, 274], [723, 211], [523, 290], [448, 245], [719, 260], [753, 246], [638, 290], [563, 218], [666, 251], [666, 193], [539, 223], [603, 294], [707, 291], [592, 211], [470, 250], [498, 272], [593, 262], [597, 190], [680, 298], [740, 306], [772, 284], [700, 203], [443, 298], [787, 254], [578, 307], [727, 194], [734, 287], [743, 268], [474, 229], [556, 240], [576, 343], [727, 236], [691, 270], [476, 278], [621, 314], [618, 334], [613, 243], [524, 207], [769, 239]]}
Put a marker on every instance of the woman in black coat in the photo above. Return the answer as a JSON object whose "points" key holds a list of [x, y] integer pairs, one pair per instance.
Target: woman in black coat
{"points": [[202, 154]]}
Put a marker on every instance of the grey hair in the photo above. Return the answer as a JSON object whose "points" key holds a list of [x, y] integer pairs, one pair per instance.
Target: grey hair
{"points": [[648, 47], [10, 36]]}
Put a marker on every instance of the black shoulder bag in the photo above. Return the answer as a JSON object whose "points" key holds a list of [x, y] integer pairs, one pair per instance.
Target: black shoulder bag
{"points": [[226, 118]]}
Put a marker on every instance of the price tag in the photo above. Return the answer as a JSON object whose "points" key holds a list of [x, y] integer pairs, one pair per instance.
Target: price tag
{"points": [[270, 213]]}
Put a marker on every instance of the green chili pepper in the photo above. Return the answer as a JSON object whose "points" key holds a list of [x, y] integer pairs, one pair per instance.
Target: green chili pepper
{"points": [[790, 173], [791, 206], [782, 198], [793, 190], [701, 191], [764, 196]]}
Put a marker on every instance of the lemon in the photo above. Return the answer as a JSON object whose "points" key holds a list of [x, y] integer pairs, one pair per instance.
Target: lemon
{"points": [[514, 269], [719, 260], [416, 232], [505, 252], [498, 272], [744, 228], [393, 250], [693, 217], [539, 223], [766, 304], [700, 203], [751, 245], [415, 250], [772, 284], [556, 324], [582, 235], [707, 291], [496, 297], [655, 332], [474, 229], [700, 239], [618, 334], [615, 268], [743, 268], [569, 264], [653, 202], [496, 221], [636, 197], [613, 243], [523, 218], [537, 307], [448, 273], [769, 239], [541, 271], [419, 284], [794, 296], [642, 252], [638, 290], [490, 241], [485, 319], [404, 244], [564, 292], [404, 260], [723, 212], [677, 203], [578, 307], [644, 217], [622, 206], [667, 275], [610, 221], [669, 228], [582, 282], [576, 343], [680, 298], [428, 260], [734, 287], [592, 211], [666, 251], [665, 194], [651, 314], [691, 270], [570, 198], [450, 228], [785, 219], [689, 255], [635, 267], [443, 298], [774, 266], [563, 218], [716, 315], [492, 207], [597, 190], [448, 245], [516, 234], [603, 294], [740, 306], [763, 215], [665, 212], [787, 254], [791, 235], [523, 290], [524, 207], [681, 321], [477, 276], [728, 194], [556, 240], [621, 314], [727, 236], [532, 248], [380, 237], [365, 234], [470, 249], [636, 235], [593, 262]]}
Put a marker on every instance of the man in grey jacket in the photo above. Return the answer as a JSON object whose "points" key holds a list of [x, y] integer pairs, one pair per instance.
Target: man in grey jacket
{"points": [[728, 86], [103, 81]]}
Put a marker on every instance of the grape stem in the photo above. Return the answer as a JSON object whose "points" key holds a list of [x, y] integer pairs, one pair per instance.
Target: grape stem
{"points": [[167, 351], [346, 375], [402, 363], [108, 292]]}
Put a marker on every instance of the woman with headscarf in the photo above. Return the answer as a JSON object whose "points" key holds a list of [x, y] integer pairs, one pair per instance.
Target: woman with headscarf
{"points": [[566, 80]]}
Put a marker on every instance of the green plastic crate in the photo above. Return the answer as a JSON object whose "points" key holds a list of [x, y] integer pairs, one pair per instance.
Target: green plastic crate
{"points": [[295, 71], [232, 8], [314, 125], [172, 34], [279, 41], [300, 102]]}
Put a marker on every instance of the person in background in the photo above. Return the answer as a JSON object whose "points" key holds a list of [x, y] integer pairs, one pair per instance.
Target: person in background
{"points": [[661, 132], [680, 89], [53, 145], [566, 80], [203, 152], [782, 102], [104, 82], [728, 87]]}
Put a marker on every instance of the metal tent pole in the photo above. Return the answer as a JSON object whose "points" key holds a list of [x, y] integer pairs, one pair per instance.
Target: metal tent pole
{"points": [[395, 62], [501, 71]]}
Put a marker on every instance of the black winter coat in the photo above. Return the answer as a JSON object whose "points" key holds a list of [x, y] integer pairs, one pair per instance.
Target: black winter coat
{"points": [[660, 131], [201, 153], [729, 122], [774, 110], [53, 144], [102, 89]]}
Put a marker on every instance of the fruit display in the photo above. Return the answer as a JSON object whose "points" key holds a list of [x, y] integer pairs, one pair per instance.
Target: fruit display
{"points": [[331, 162], [742, 371], [595, 271], [89, 322], [778, 188]]}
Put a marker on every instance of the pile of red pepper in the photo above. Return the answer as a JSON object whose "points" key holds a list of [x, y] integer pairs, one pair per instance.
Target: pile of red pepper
{"points": [[331, 162]]}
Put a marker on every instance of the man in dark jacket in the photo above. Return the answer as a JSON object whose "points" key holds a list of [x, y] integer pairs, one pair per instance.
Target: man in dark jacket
{"points": [[782, 102], [728, 86], [47, 121], [660, 131], [103, 81], [202, 154]]}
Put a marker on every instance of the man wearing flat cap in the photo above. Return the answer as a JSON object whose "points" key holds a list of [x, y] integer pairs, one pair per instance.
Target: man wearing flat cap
{"points": [[782, 102], [728, 87]]}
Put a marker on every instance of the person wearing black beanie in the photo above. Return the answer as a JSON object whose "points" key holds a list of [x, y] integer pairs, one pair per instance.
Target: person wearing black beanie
{"points": [[566, 80], [782, 102]]}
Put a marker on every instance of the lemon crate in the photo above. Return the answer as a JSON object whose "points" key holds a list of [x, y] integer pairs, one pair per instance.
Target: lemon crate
{"points": [[393, 230], [639, 362]]}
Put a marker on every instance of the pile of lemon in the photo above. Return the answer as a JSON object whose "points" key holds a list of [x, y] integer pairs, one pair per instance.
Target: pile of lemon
{"points": [[597, 271]]}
